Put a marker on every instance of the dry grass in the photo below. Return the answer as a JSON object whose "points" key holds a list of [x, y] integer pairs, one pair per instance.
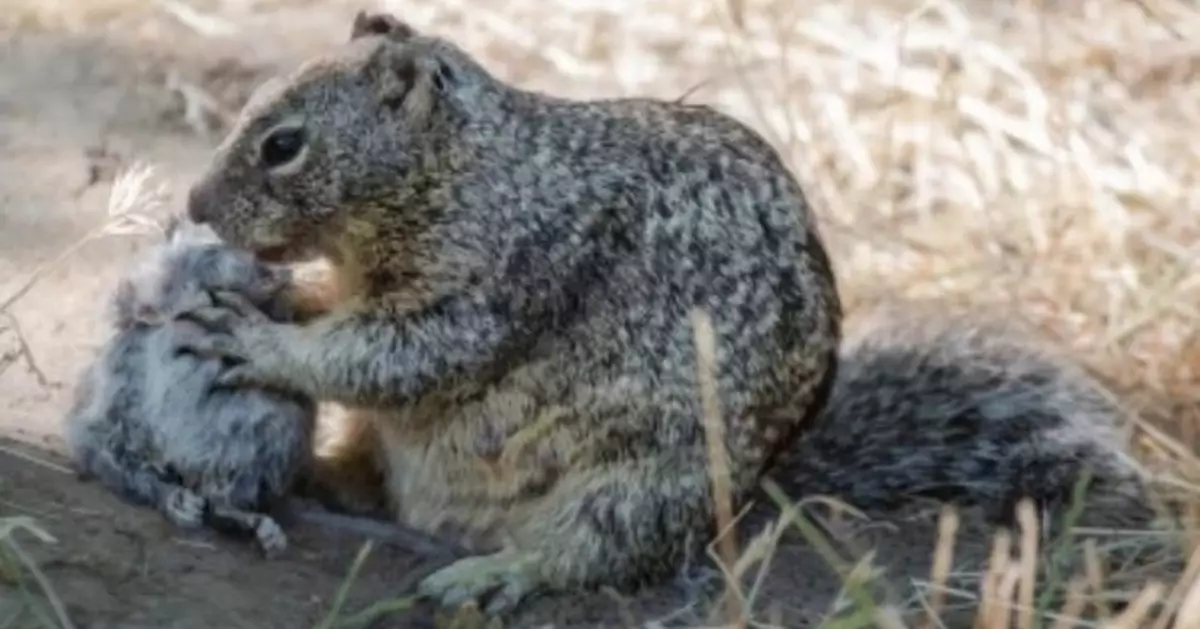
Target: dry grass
{"points": [[714, 431], [34, 596], [1006, 155]]}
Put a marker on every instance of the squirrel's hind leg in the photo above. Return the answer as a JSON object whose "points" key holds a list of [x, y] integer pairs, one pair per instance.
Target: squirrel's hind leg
{"points": [[347, 476], [620, 525]]}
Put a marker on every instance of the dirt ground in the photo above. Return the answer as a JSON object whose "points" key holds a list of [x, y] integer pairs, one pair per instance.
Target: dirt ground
{"points": [[83, 96], [118, 566]]}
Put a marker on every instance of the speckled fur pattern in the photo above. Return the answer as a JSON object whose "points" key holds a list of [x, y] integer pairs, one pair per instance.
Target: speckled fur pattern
{"points": [[148, 424], [967, 409], [526, 268]]}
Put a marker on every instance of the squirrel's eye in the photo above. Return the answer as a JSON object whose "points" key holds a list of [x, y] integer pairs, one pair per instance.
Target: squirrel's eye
{"points": [[281, 147]]}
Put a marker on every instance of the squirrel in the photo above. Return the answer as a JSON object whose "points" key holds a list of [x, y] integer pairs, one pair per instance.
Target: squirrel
{"points": [[517, 344], [145, 421]]}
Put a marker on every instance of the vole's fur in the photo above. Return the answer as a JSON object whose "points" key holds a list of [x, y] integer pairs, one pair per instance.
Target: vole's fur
{"points": [[147, 421]]}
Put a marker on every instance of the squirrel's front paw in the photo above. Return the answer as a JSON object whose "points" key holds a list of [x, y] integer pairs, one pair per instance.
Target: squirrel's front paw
{"points": [[249, 375], [504, 579], [228, 313], [228, 324], [213, 346], [240, 334]]}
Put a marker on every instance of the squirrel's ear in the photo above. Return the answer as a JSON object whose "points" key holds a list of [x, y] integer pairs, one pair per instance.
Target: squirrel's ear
{"points": [[367, 24], [409, 78], [441, 74], [393, 72]]}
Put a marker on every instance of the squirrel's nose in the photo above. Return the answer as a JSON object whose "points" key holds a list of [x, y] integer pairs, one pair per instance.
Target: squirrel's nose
{"points": [[199, 207]]}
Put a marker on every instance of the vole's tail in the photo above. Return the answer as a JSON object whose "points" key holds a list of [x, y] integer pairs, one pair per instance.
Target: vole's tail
{"points": [[968, 412]]}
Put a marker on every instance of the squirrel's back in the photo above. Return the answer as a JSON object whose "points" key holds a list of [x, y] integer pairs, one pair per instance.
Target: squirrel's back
{"points": [[964, 409]]}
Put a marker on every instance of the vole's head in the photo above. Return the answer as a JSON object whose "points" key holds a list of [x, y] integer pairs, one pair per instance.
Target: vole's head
{"points": [[368, 128], [177, 274]]}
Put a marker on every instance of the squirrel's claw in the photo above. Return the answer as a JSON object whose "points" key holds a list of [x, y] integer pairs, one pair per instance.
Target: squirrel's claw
{"points": [[241, 376], [216, 319], [239, 306], [213, 346], [228, 310], [225, 321]]}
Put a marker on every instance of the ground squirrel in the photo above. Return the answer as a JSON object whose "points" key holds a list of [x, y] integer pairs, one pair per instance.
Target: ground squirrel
{"points": [[524, 270], [147, 425], [527, 267]]}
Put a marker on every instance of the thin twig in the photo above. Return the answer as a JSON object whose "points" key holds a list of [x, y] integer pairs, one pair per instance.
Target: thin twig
{"points": [[13, 452], [24, 351]]}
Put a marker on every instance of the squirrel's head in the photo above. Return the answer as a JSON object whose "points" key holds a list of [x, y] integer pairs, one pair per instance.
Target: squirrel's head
{"points": [[367, 128]]}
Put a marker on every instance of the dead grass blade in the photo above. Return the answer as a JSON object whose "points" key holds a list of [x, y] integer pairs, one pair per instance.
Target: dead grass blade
{"points": [[1138, 610], [942, 562], [133, 199], [1028, 521], [1095, 575], [1177, 600], [1072, 609], [9, 526], [1188, 613], [339, 599], [718, 462], [991, 598]]}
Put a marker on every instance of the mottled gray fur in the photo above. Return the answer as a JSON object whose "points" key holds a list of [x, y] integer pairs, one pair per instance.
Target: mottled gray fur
{"points": [[523, 270], [146, 420], [964, 408]]}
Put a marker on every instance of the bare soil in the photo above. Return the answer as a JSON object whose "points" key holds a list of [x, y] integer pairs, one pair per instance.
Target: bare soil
{"points": [[117, 565]]}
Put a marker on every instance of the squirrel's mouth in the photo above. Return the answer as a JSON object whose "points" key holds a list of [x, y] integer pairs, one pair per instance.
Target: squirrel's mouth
{"points": [[272, 255]]}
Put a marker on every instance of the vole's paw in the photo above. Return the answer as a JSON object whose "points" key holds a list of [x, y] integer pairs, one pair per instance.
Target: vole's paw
{"points": [[184, 508], [271, 537], [500, 581]]}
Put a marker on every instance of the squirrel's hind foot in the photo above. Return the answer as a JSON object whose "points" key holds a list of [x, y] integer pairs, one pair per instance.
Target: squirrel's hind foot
{"points": [[499, 582]]}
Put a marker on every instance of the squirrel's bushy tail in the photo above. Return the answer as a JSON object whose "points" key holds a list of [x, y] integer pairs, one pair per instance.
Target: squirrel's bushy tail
{"points": [[971, 412]]}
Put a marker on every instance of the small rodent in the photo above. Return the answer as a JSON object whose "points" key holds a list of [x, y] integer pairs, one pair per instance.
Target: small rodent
{"points": [[146, 420], [518, 347]]}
